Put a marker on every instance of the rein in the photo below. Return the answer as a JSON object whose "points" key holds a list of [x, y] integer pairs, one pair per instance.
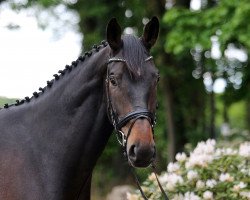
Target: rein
{"points": [[118, 123]]}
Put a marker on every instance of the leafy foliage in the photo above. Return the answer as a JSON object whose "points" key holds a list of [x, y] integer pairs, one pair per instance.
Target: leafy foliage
{"points": [[189, 28]]}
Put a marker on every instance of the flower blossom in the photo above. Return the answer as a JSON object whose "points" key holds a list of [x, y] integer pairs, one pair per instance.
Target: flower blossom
{"points": [[225, 152], [186, 196], [192, 175], [207, 147], [191, 196], [163, 178], [245, 171], [239, 186], [202, 154], [173, 167], [198, 160], [226, 177], [208, 195], [181, 157], [244, 150], [152, 177], [172, 181], [245, 194], [211, 183], [178, 197], [200, 184]]}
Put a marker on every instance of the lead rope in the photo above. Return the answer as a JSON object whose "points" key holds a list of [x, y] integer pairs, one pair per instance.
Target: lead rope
{"points": [[137, 182], [139, 186], [159, 184]]}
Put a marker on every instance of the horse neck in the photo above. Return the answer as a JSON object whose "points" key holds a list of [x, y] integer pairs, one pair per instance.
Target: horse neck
{"points": [[70, 124]]}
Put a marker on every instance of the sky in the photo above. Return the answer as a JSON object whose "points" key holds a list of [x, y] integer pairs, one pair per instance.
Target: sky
{"points": [[29, 56]]}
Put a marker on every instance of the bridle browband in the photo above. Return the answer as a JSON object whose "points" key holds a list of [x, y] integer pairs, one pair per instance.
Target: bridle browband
{"points": [[119, 122]]}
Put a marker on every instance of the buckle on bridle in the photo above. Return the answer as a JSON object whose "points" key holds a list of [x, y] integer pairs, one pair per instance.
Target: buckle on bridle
{"points": [[121, 138]]}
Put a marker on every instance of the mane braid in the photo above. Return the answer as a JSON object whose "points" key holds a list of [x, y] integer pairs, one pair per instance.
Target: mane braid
{"points": [[68, 68]]}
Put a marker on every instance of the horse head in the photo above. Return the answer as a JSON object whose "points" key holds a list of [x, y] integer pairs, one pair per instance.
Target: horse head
{"points": [[131, 85]]}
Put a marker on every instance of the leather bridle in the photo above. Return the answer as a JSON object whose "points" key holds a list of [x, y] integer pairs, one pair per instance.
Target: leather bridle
{"points": [[119, 122]]}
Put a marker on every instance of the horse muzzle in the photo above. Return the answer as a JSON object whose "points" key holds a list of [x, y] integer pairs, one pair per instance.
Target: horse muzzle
{"points": [[135, 132], [140, 146]]}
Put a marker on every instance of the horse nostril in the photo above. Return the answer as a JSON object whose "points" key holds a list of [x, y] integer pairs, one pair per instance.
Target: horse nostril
{"points": [[139, 153], [132, 152]]}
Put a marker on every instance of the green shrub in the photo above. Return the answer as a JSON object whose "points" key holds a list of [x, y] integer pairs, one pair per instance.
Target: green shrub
{"points": [[208, 173]]}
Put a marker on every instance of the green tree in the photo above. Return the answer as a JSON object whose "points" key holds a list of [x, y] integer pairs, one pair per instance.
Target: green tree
{"points": [[183, 96], [227, 20]]}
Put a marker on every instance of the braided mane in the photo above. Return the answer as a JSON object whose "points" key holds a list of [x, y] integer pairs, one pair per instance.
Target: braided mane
{"points": [[61, 73]]}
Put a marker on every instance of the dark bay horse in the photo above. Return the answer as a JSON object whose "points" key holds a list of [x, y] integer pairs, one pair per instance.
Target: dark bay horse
{"points": [[49, 143]]}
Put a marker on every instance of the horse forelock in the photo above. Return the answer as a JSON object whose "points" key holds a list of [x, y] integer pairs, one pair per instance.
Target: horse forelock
{"points": [[135, 54]]}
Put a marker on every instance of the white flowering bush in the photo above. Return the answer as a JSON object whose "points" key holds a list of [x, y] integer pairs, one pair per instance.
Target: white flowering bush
{"points": [[207, 173]]}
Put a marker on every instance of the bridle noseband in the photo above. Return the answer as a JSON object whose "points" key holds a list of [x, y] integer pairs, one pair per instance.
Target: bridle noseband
{"points": [[119, 122]]}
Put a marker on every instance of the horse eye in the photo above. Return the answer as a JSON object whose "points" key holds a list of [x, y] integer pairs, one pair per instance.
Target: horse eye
{"points": [[113, 81]]}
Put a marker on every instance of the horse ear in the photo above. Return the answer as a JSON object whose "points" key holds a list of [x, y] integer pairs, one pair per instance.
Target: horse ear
{"points": [[114, 32], [150, 33]]}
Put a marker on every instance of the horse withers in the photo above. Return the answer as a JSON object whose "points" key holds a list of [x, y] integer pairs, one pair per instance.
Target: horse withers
{"points": [[49, 143]]}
